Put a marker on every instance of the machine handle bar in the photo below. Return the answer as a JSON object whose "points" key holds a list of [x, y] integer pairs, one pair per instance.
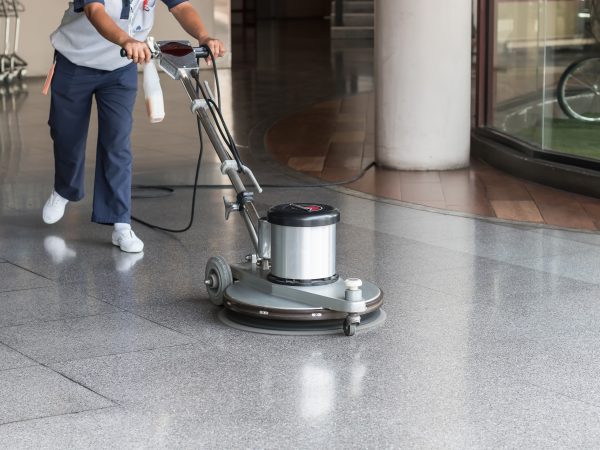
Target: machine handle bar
{"points": [[199, 52]]}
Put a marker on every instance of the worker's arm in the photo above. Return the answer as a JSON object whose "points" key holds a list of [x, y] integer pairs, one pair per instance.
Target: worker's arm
{"points": [[191, 22], [136, 50]]}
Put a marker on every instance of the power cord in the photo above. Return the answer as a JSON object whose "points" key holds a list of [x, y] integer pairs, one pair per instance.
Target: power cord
{"points": [[215, 109], [198, 166], [169, 189]]}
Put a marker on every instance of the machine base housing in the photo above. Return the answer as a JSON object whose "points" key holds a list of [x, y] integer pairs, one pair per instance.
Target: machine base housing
{"points": [[295, 328], [254, 301]]}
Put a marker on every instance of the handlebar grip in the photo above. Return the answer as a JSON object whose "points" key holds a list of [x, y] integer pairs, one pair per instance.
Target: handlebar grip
{"points": [[123, 53], [201, 52]]}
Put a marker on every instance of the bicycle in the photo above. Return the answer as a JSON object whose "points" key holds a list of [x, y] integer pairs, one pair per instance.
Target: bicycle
{"points": [[578, 90]]}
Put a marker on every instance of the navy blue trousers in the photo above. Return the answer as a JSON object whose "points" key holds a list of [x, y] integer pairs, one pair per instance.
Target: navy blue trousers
{"points": [[72, 90]]}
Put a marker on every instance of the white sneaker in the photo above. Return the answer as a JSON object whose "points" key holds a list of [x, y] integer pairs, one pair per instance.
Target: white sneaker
{"points": [[127, 241], [54, 208]]}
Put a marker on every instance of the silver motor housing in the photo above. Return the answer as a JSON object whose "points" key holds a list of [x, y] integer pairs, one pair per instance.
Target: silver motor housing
{"points": [[303, 243]]}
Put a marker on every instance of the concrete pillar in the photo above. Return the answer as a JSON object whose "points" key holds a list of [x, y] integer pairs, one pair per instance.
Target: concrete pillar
{"points": [[423, 82]]}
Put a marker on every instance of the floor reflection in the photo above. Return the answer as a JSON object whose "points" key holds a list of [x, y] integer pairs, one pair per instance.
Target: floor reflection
{"points": [[124, 262], [12, 98], [58, 250], [318, 388]]}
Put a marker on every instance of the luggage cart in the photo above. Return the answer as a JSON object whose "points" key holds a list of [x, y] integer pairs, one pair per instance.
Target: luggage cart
{"points": [[12, 66]]}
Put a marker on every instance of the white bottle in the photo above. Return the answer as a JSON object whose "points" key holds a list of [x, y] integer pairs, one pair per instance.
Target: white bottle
{"points": [[155, 104]]}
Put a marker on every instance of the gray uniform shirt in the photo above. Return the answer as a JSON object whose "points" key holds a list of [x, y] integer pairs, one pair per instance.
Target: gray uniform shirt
{"points": [[78, 40]]}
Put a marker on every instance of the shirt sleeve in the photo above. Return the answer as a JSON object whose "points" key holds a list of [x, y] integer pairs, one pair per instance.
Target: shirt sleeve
{"points": [[173, 3], [78, 5]]}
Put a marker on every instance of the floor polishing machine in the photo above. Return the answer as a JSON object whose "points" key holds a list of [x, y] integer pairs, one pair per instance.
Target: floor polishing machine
{"points": [[289, 284]]}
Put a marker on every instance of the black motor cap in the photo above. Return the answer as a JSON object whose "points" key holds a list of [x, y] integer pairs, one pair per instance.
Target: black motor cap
{"points": [[303, 215]]}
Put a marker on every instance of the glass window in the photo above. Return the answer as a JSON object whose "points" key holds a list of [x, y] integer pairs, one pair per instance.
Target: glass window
{"points": [[544, 85]]}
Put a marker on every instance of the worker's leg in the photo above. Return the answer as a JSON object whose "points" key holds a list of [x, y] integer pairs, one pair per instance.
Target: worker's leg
{"points": [[112, 186], [70, 107], [115, 97]]}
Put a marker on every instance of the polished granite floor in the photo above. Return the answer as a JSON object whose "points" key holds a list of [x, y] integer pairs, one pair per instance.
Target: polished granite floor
{"points": [[491, 339]]}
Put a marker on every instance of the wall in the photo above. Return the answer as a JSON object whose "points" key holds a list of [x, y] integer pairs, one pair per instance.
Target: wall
{"points": [[43, 16]]}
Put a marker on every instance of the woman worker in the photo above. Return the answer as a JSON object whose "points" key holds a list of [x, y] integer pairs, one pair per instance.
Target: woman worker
{"points": [[88, 63]]}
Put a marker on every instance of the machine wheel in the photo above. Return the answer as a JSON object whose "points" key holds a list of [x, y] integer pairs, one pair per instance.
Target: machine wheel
{"points": [[350, 325], [350, 329], [217, 278]]}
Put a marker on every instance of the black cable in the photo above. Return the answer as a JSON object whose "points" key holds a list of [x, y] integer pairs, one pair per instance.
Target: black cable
{"points": [[216, 75], [195, 186], [193, 208], [198, 165], [218, 119], [217, 115], [229, 140], [171, 188]]}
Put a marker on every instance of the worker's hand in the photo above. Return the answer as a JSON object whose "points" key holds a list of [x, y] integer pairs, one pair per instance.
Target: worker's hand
{"points": [[137, 51], [216, 47]]}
